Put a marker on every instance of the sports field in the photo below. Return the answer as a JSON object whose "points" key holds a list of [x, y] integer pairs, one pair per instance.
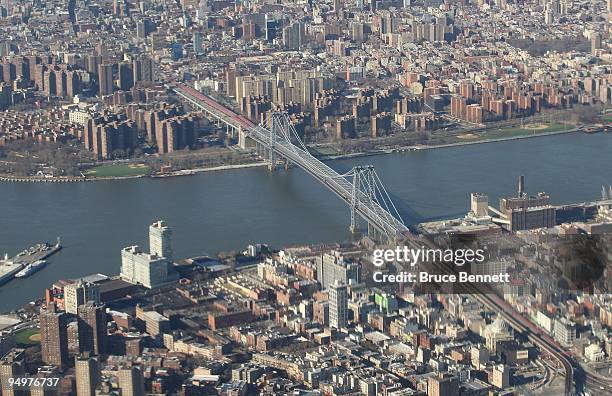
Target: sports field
{"points": [[529, 129], [118, 170], [27, 337]]}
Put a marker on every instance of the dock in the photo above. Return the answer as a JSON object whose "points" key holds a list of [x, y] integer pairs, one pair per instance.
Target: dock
{"points": [[10, 266]]}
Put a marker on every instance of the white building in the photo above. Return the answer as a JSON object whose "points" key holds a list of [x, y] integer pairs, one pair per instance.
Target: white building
{"points": [[79, 293], [594, 353], [160, 240], [144, 269], [565, 331], [80, 112]]}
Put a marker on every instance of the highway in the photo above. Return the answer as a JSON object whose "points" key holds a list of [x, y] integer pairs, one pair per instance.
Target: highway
{"points": [[213, 107]]}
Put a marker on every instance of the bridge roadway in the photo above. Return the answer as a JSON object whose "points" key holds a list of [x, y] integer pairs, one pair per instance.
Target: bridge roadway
{"points": [[378, 216], [368, 208]]}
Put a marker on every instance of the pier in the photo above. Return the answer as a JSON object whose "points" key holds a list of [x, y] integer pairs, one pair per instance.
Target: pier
{"points": [[10, 266]]}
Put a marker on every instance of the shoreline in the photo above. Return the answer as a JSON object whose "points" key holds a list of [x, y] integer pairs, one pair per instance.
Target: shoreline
{"points": [[182, 172], [424, 147], [189, 172], [186, 172]]}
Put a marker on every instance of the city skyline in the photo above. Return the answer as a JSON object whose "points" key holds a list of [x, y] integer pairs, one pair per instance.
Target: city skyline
{"points": [[323, 197]]}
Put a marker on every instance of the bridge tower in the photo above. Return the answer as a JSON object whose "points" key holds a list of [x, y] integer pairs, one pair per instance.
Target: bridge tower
{"points": [[362, 184], [366, 191], [354, 227], [278, 128]]}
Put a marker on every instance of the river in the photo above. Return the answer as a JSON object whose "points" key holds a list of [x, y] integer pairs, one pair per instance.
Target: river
{"points": [[226, 210]]}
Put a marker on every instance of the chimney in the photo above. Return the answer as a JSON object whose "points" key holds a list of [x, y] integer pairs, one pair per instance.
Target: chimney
{"points": [[521, 186]]}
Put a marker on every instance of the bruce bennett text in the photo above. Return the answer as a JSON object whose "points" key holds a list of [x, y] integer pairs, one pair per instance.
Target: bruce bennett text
{"points": [[426, 277]]}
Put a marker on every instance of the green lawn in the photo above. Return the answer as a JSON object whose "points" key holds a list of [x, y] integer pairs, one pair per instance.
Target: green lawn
{"points": [[118, 170], [27, 337], [514, 132]]}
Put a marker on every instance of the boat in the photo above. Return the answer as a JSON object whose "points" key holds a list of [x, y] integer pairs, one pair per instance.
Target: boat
{"points": [[31, 268]]}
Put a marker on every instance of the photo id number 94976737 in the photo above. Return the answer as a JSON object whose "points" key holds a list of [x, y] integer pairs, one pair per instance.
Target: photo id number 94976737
{"points": [[25, 383]]}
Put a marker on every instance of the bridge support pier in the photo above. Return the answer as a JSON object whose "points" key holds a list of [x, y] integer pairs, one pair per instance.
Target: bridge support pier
{"points": [[242, 139]]}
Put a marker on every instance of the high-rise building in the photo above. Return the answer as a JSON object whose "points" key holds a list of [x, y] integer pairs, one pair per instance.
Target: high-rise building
{"points": [[9, 71], [338, 305], [141, 31], [565, 331], [92, 328], [105, 79], [160, 239], [73, 83], [87, 375], [60, 82], [333, 266], [197, 42], [294, 35], [105, 135], [143, 69], [11, 365], [33, 60], [131, 381], [142, 268], [596, 42], [79, 293], [549, 16], [5, 95], [271, 28], [175, 133], [53, 335], [126, 76], [49, 83]]}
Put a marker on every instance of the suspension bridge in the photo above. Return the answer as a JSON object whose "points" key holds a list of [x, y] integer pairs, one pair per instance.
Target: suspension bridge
{"points": [[278, 141]]}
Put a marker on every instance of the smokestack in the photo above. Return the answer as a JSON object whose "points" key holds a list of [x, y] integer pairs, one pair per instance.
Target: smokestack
{"points": [[521, 186]]}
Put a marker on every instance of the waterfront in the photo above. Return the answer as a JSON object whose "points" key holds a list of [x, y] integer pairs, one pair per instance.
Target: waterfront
{"points": [[227, 210]]}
